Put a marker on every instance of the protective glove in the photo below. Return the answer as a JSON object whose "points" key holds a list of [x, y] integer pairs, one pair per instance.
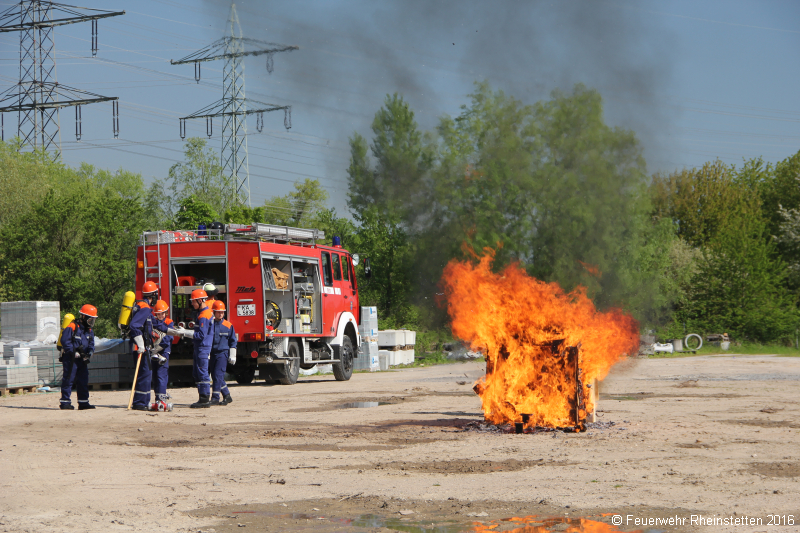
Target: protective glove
{"points": [[87, 357], [139, 344], [175, 332], [188, 333], [232, 356]]}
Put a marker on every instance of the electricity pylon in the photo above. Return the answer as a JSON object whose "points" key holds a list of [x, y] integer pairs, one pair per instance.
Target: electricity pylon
{"points": [[234, 106], [38, 96]]}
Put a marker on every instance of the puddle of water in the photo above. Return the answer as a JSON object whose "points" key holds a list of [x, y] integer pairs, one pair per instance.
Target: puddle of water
{"points": [[526, 524], [359, 405]]}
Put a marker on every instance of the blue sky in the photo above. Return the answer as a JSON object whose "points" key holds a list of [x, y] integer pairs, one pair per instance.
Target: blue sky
{"points": [[696, 80]]}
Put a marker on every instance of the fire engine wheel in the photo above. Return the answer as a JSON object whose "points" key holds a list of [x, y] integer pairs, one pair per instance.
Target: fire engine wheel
{"points": [[287, 373], [345, 353], [246, 376]]}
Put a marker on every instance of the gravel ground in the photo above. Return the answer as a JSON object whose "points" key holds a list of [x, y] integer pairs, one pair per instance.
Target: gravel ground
{"points": [[406, 450]]}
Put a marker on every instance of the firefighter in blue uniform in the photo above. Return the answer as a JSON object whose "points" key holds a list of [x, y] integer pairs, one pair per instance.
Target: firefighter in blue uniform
{"points": [[160, 357], [77, 341], [141, 332], [222, 350], [202, 336]]}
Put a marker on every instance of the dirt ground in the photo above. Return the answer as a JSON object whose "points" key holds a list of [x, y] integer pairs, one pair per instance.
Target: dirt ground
{"points": [[702, 436]]}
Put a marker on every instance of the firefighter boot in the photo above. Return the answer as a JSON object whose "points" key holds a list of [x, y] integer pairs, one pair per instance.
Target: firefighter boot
{"points": [[226, 400], [215, 401], [84, 406], [204, 401]]}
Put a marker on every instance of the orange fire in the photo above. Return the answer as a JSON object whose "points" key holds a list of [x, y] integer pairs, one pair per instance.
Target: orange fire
{"points": [[531, 524], [531, 334]]}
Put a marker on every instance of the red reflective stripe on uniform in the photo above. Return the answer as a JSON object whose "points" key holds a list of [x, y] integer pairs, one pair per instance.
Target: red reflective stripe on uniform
{"points": [[226, 324]]}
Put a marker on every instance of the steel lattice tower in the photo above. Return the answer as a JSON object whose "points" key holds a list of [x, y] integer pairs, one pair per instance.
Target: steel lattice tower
{"points": [[234, 123], [38, 96], [234, 106]]}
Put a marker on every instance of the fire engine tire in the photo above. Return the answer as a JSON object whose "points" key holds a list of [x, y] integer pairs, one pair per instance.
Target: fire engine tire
{"points": [[246, 376], [345, 354], [287, 373]]}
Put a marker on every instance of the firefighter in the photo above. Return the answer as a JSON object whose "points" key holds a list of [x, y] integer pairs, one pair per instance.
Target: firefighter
{"points": [[202, 336], [222, 350], [141, 331], [211, 291], [77, 341], [160, 357]]}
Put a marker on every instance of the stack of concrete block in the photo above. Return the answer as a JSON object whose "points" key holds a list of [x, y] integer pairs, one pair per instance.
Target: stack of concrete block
{"points": [[368, 331], [113, 365], [396, 346], [9, 361], [30, 321], [18, 376], [368, 328], [367, 357], [50, 369]]}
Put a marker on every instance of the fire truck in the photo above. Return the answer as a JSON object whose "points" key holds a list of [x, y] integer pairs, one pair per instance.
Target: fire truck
{"points": [[292, 301]]}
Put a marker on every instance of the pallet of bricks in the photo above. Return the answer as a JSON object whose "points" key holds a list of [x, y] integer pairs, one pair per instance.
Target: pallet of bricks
{"points": [[16, 378], [31, 326], [113, 366], [368, 331], [43, 356], [396, 347]]}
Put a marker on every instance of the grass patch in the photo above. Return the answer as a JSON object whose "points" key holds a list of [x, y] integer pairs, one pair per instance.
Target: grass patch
{"points": [[438, 358], [744, 349]]}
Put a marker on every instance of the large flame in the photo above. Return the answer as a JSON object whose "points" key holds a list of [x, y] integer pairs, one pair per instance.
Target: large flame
{"points": [[524, 328]]}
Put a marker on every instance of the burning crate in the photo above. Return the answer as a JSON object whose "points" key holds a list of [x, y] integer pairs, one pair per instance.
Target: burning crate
{"points": [[543, 346]]}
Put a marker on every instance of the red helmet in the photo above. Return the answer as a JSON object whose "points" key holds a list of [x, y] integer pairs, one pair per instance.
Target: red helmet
{"points": [[218, 306], [149, 287], [161, 307], [89, 310], [197, 294]]}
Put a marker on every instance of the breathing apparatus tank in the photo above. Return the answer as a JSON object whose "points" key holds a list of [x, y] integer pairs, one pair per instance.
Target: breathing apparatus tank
{"points": [[127, 309], [68, 318]]}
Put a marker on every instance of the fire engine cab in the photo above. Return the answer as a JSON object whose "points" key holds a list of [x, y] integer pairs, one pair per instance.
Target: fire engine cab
{"points": [[293, 303]]}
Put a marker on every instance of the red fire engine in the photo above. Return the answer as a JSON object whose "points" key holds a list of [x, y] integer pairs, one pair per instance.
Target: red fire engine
{"points": [[293, 302]]}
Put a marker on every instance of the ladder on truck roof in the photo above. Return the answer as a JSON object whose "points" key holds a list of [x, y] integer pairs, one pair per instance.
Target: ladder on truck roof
{"points": [[151, 244], [271, 232]]}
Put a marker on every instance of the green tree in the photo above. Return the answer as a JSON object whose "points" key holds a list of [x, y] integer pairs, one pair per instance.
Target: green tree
{"points": [[383, 195], [395, 176], [41, 257], [551, 185], [333, 225], [739, 286], [241, 214], [192, 212], [24, 179], [781, 190], [386, 245], [699, 200], [202, 177], [299, 207]]}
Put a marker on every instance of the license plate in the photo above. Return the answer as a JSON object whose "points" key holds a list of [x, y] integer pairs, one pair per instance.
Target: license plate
{"points": [[246, 310]]}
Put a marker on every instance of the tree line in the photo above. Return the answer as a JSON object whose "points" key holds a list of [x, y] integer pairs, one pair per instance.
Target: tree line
{"points": [[549, 185]]}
